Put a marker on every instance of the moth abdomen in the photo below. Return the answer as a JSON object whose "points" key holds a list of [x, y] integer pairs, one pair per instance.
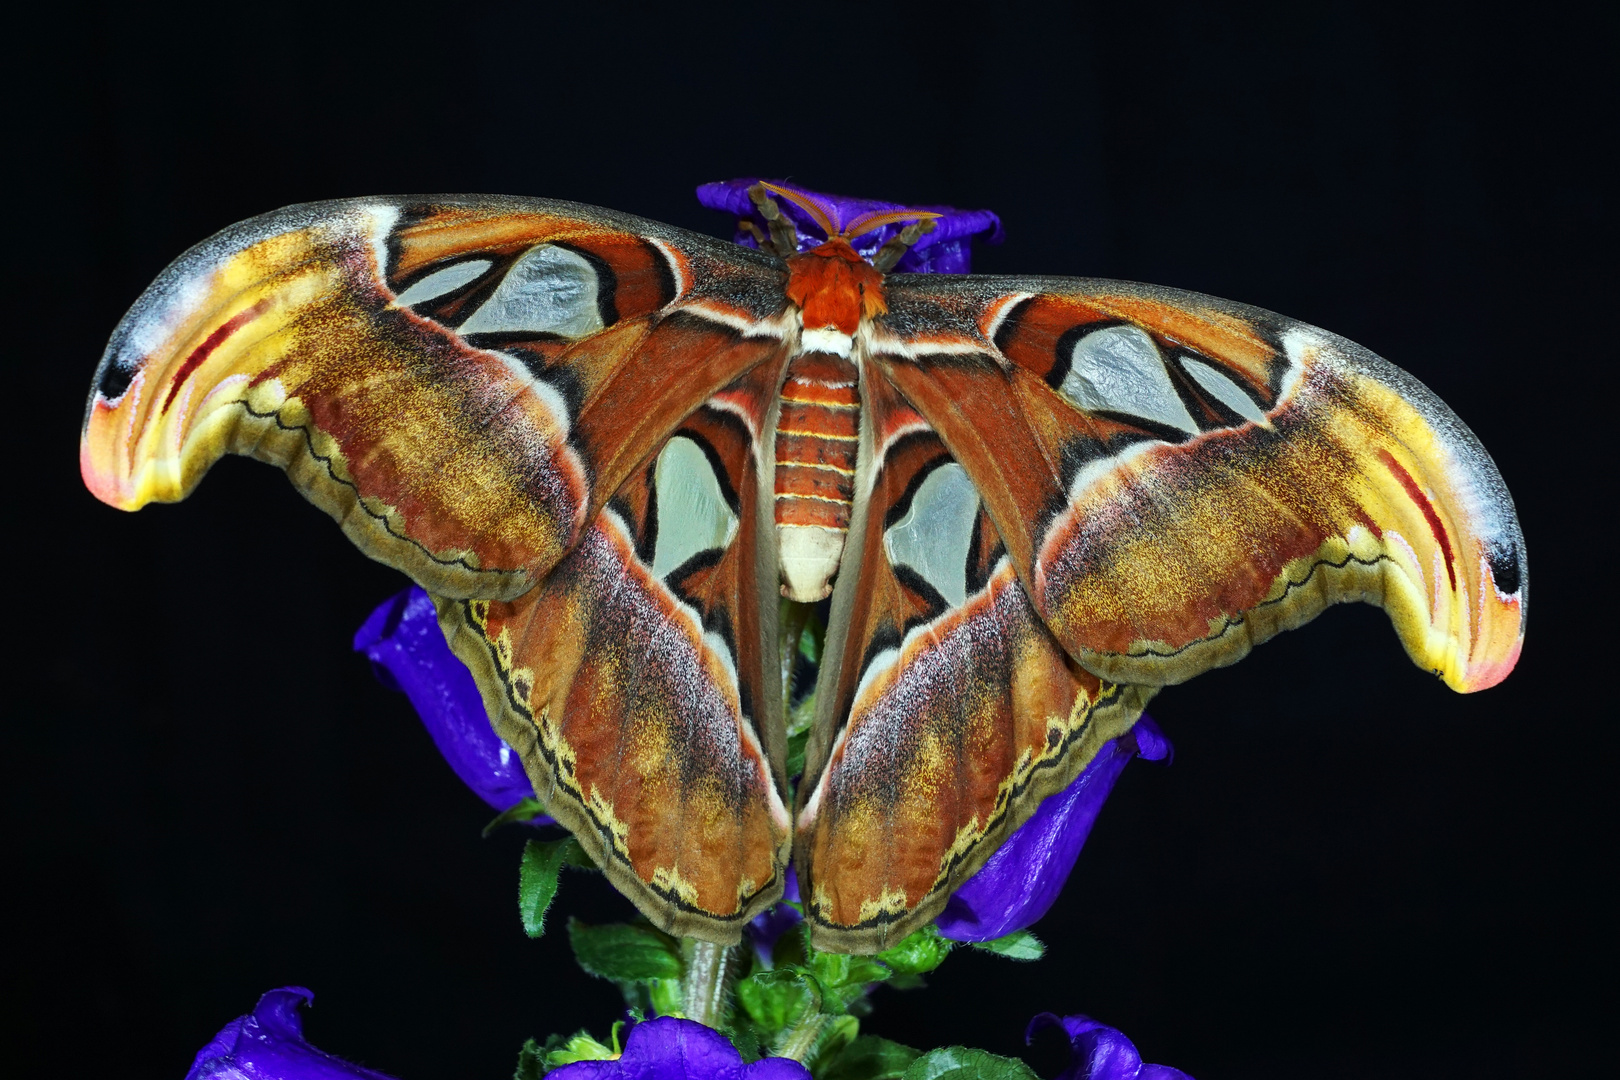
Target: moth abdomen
{"points": [[816, 438]]}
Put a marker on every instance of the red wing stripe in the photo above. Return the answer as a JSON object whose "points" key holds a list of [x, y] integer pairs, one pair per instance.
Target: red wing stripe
{"points": [[1436, 526], [201, 353]]}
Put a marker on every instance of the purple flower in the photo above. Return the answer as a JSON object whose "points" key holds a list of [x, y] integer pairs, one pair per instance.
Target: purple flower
{"points": [[268, 1044], [1023, 878], [671, 1049], [1100, 1052], [408, 652], [946, 250]]}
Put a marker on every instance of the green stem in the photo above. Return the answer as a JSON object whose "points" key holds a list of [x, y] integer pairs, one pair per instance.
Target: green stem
{"points": [[704, 987], [797, 1041]]}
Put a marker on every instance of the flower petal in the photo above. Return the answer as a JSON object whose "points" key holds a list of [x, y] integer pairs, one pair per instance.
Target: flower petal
{"points": [[408, 652], [945, 250], [670, 1048], [1021, 881], [1100, 1052], [269, 1044]]}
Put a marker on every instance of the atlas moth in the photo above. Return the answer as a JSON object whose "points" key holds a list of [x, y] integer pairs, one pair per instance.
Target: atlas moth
{"points": [[621, 455]]}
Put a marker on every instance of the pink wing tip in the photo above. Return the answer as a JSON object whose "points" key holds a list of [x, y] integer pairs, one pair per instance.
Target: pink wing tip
{"points": [[1486, 675], [101, 482]]}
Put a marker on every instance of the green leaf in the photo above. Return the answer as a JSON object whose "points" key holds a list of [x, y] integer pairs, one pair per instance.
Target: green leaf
{"points": [[745, 1037], [864, 970], [961, 1063], [810, 638], [844, 979], [537, 880], [665, 997], [578, 1047], [795, 748], [836, 1034], [830, 969], [870, 1058], [625, 952], [1018, 945], [918, 953], [531, 1063], [525, 809], [774, 999]]}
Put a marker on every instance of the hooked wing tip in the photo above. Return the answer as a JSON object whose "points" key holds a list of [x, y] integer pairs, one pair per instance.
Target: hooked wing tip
{"points": [[1483, 676], [96, 465]]}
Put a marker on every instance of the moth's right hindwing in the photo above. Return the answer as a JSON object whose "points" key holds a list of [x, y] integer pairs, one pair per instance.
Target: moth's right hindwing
{"points": [[946, 709]]}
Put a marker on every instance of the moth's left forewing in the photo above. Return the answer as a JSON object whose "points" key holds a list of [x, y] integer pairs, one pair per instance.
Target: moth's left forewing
{"points": [[461, 381], [1209, 474], [946, 711]]}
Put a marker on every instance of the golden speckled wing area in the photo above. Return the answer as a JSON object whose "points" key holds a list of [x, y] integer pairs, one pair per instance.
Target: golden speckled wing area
{"points": [[639, 681], [1178, 478], [946, 709], [459, 381]]}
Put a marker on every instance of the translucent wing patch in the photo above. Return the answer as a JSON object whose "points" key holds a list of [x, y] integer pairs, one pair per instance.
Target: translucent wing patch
{"points": [[1118, 369]]}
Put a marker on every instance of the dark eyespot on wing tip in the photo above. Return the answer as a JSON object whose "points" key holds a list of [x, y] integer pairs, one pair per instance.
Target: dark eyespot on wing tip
{"points": [[1504, 562], [114, 381]]}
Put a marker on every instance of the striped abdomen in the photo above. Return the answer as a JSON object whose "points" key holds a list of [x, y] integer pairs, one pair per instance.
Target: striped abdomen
{"points": [[816, 438]]}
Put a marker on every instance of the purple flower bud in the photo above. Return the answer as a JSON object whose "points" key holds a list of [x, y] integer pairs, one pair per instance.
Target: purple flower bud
{"points": [[1020, 882], [1100, 1052], [672, 1049], [946, 250], [408, 652], [268, 1044]]}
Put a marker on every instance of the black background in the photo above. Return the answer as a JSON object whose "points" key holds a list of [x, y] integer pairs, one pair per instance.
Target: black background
{"points": [[1347, 871]]}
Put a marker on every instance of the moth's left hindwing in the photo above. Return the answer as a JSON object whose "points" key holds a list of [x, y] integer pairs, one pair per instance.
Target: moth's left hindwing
{"points": [[639, 681]]}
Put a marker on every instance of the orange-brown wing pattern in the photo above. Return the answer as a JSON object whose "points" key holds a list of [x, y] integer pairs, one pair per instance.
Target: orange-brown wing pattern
{"points": [[1178, 478], [946, 711], [460, 382], [639, 681]]}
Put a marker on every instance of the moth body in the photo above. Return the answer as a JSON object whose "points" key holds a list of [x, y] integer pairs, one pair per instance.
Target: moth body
{"points": [[818, 429], [816, 438]]}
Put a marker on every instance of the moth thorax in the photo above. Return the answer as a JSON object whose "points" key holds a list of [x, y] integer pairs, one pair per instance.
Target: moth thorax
{"points": [[816, 439]]}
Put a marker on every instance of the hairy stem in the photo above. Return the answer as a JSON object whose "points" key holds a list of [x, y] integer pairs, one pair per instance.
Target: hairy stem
{"points": [[704, 988], [797, 1041]]}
